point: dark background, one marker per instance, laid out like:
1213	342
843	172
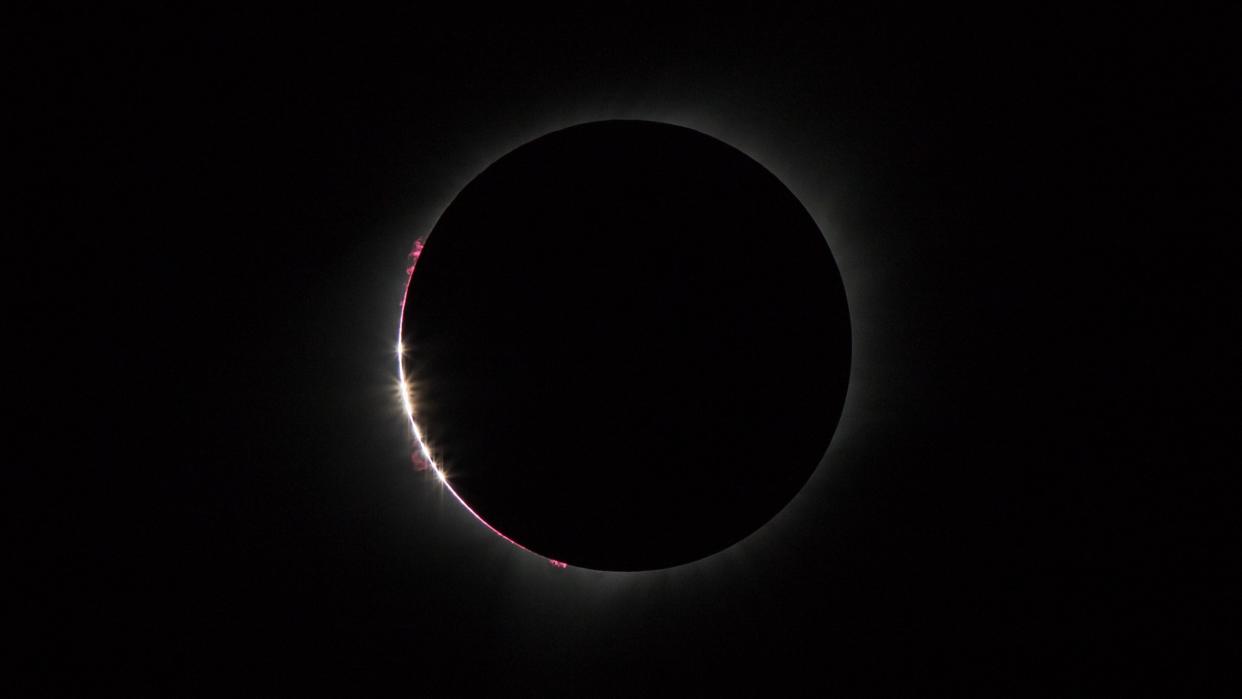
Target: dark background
1033	490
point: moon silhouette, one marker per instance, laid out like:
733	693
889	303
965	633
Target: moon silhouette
625	345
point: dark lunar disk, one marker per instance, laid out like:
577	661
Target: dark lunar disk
629	345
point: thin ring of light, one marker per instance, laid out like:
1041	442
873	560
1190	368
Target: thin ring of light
421	454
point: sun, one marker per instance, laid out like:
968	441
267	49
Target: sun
420	453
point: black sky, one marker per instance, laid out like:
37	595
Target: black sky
1033	490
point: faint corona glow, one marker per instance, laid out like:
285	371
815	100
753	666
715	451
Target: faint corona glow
420	454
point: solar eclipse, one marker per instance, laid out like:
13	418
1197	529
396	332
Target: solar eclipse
625	345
